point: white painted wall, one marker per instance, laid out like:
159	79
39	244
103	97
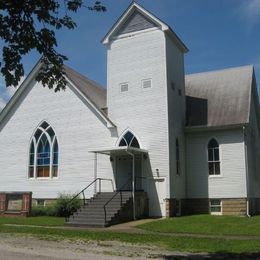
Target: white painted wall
253	147
144	111
78	131
232	182
176	114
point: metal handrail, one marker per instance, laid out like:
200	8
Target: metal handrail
97	179
83	191
119	191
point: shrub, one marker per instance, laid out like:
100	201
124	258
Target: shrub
64	207
43	211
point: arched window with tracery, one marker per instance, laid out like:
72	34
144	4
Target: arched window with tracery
213	157
44	153
129	140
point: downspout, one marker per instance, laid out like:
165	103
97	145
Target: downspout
133	182
95	172
247	177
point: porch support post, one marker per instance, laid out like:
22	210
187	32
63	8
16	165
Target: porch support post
95	172
133	186
133	182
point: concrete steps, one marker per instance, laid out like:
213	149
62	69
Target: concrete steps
93	213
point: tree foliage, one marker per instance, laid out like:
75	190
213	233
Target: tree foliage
31	24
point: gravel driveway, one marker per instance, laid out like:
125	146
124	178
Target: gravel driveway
27	247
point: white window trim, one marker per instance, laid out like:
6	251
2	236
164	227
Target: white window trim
128	129
220	159
36	144
44	202
221	208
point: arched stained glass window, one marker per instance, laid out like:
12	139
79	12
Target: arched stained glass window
55	159
43	157
31	159
213	157
129	140
43	161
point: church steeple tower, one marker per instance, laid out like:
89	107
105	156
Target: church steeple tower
145	82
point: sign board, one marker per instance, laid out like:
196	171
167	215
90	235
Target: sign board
14	202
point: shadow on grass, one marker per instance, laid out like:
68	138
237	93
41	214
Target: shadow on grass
213	256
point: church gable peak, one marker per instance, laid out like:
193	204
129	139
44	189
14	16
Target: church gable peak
135	22
135	18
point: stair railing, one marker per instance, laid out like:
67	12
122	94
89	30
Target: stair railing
99	180
121	198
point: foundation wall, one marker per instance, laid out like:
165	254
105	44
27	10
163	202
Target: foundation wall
232	207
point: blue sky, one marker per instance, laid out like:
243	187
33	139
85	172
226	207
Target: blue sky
218	33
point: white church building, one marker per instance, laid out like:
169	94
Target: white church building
190	142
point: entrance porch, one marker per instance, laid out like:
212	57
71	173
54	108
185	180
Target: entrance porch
127	163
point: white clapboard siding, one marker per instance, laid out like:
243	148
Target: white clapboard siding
143	110
176	113
253	149
78	131
232	182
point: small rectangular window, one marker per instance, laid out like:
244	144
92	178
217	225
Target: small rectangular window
180	92
215	206
40	202
124	87
146	83
172	86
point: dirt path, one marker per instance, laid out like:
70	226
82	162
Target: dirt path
26	248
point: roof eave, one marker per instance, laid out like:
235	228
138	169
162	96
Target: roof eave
177	40
109	123
20	90
120	149
202	128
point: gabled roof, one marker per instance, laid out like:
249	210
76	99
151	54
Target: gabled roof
219	98
90	90
133	8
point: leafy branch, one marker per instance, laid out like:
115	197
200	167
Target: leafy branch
31	24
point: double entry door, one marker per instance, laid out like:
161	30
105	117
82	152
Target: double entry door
124	172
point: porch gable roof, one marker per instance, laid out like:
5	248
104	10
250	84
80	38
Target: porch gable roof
120	150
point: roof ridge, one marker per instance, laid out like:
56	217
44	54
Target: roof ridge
220	70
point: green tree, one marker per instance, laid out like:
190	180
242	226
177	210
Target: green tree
31	24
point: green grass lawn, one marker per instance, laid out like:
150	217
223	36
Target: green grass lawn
203	224
186	244
36	221
206	224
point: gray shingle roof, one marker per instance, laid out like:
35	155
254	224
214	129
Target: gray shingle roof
219	98
215	98
92	90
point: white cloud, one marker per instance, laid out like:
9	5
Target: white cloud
11	90
7	92
250	9
2	103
